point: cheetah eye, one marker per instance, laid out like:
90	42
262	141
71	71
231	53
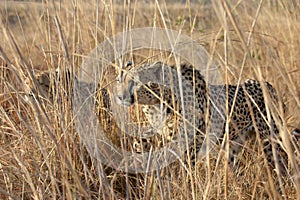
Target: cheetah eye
129	63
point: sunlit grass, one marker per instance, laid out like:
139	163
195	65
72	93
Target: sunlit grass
42	156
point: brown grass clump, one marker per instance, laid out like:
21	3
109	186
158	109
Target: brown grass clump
41	154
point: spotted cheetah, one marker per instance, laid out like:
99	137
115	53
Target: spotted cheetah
163	108
157	87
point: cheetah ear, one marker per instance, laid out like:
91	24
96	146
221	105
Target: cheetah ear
158	71
158	63
152	85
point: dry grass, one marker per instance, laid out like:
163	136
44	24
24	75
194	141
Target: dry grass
41	156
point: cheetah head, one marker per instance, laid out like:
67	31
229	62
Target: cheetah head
137	85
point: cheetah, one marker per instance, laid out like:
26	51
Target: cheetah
46	89
163	108
157	88
46	84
